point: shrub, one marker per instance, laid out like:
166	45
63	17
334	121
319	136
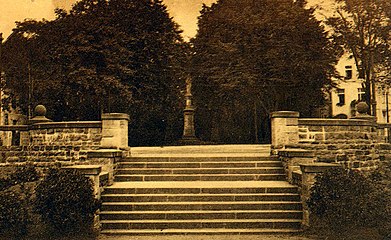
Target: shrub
65	201
345	200
15	194
27	173
21	175
5	183
13	215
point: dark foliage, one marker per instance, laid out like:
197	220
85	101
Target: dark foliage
344	201
21	175
13	214
102	56
66	202
255	57
15	194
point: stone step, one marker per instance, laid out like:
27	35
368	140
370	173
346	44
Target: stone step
242	164
201	214
190	171
203	149
109	205
203	231
199	159
118	195
202	224
201	177
201	187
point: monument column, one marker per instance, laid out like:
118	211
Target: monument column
188	115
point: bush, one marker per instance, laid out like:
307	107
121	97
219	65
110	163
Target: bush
15	199
13	215
5	183
27	173
65	201
345	200
21	175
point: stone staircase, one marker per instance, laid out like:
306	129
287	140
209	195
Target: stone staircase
231	189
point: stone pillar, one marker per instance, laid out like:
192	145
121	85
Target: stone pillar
292	159
114	130
188	124
107	159
285	129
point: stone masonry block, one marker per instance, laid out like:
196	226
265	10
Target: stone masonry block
332	147
327	158
315	128
292	121
332	136
331	129
303	136
303	130
79	130
319	137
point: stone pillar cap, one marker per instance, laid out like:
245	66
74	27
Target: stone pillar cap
285	114
318	167
115	116
86	169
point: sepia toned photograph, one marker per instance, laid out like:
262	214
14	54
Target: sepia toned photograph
195	119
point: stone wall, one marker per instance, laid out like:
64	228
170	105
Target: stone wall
47	143
82	134
354	143
351	142
63	143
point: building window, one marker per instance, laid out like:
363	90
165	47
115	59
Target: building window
361	94
341	97
348	72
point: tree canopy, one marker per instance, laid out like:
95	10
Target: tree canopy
255	57
102	56
363	28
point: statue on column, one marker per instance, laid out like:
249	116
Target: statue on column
188	115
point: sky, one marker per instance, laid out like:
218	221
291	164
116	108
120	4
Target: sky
184	12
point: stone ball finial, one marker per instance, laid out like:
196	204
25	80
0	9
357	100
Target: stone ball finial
40	110
362	107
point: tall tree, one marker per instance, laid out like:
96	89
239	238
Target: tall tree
104	56
363	28
255	57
